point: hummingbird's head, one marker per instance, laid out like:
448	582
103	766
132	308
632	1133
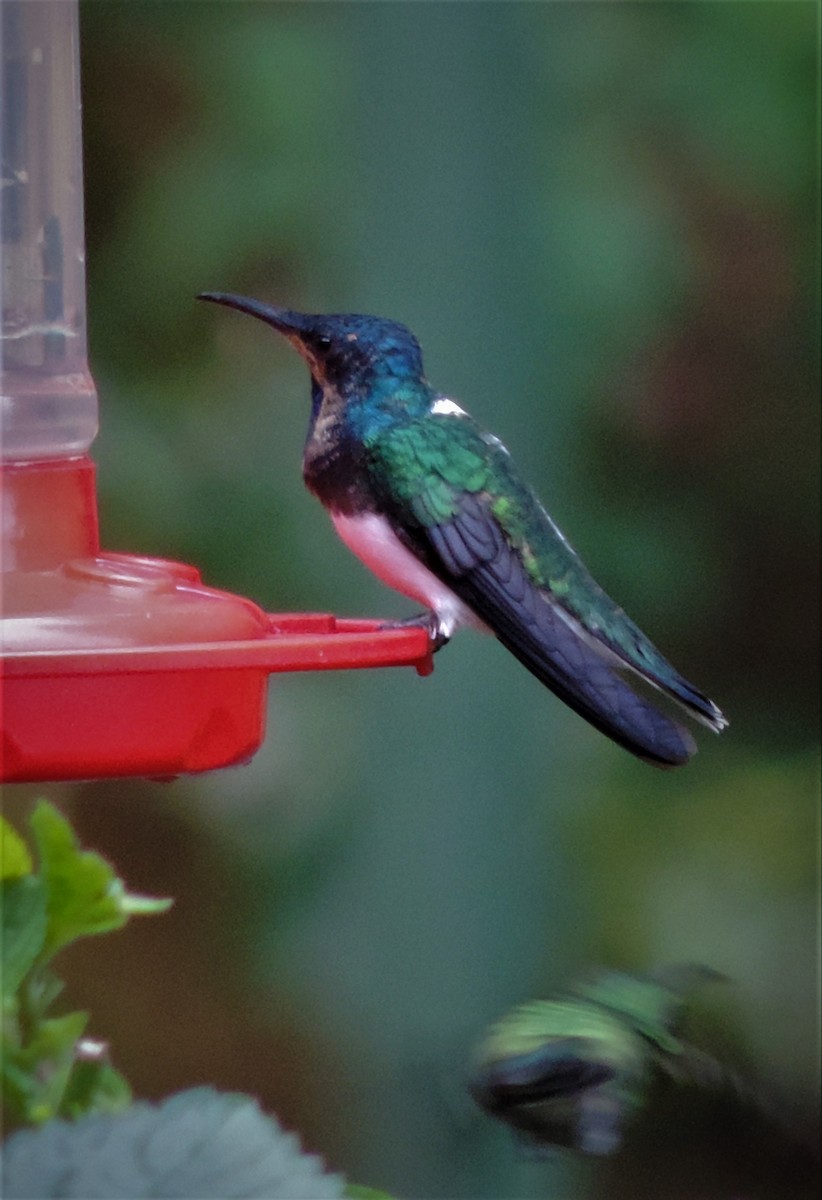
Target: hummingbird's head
344	352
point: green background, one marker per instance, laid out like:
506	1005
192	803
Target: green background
600	221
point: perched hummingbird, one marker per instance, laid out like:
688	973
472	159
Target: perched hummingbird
435	507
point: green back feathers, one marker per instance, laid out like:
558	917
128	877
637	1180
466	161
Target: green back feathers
430	462
427	463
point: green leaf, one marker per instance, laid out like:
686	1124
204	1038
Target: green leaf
41	989
83	894
22	930
35	1075
15	859
94	1085
199	1145
46	1069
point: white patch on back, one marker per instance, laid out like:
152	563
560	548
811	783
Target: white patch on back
491	439
374	542
443	407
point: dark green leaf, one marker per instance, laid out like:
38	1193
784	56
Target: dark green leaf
198	1145
35	1075
23	930
83	894
94	1085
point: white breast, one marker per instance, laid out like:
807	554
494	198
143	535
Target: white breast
373	541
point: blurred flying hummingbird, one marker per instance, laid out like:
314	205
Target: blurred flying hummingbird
572	1071
576	1070
435	507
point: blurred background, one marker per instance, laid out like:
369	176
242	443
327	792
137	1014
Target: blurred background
601	222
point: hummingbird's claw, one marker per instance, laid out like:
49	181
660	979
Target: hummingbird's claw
428	621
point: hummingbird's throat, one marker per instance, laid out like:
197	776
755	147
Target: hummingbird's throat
327	411
314	365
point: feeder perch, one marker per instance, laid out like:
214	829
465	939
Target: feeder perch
112	664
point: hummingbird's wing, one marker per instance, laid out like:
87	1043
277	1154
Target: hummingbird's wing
457	503
488	575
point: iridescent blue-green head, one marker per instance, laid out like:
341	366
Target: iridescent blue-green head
347	352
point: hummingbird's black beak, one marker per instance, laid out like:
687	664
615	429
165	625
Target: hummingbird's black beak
291	324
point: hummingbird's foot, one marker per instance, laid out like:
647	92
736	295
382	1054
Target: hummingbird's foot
429	621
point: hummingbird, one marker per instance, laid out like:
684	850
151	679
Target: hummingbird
433	504
576	1070
573	1070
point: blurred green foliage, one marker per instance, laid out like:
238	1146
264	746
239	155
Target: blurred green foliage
48	1069
601	222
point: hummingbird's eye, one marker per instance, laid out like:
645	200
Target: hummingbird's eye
324	341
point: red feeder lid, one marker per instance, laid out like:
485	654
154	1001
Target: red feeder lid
118	664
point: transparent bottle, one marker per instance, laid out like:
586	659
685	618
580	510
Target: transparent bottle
48	401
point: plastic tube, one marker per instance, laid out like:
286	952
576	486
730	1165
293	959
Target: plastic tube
48	402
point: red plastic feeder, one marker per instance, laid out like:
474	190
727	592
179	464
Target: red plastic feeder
116	664
112	664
